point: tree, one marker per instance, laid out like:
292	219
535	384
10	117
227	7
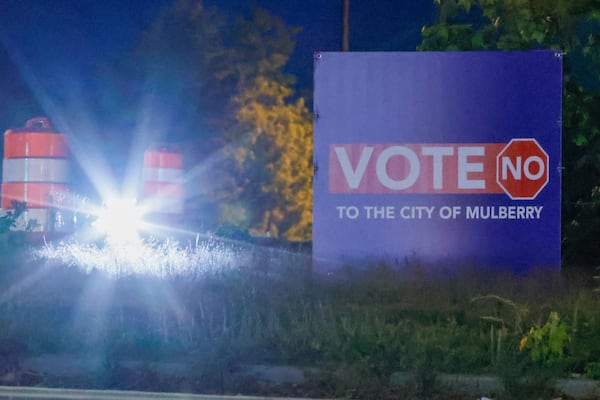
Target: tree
268	148
274	160
572	26
260	46
215	85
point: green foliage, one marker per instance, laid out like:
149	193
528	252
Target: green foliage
547	344
540	357
592	370
261	47
505	319
12	240
9	219
574	28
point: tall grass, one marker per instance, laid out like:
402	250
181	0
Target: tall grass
266	307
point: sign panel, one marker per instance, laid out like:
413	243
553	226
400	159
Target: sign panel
442	157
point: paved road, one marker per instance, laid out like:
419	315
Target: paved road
28	393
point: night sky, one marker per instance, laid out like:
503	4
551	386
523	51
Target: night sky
54	51
75	36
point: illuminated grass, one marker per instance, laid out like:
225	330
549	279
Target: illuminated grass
166	258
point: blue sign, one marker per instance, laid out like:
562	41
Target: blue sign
439	157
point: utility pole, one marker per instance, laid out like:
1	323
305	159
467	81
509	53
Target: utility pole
346	26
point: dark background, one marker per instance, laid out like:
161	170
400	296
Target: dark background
46	40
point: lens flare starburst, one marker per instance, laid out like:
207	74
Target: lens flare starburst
119	219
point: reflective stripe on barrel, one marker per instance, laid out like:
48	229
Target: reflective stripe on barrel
162	177
35	170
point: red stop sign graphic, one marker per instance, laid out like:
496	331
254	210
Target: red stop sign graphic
522	169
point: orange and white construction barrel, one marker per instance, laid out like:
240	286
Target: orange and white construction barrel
163	183
36	171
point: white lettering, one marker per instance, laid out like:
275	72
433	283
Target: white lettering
541	168
472	212
503	212
380	212
353	176
438	154
414	167
515	170
464	167
445	212
416	212
350	212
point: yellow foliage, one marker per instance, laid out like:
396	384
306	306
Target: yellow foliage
278	136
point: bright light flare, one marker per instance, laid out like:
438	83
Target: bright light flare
119	219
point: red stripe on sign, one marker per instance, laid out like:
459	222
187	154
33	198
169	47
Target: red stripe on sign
414	168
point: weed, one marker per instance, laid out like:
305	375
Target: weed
546	344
